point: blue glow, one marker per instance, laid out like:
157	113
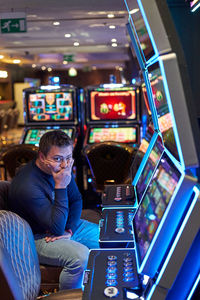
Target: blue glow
112	85
196	191
194	287
171	112
89	179
133	81
141	267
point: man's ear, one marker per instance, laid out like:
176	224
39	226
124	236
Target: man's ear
41	156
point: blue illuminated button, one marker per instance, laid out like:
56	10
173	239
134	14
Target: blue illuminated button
111	269
111	276
128	269
111	292
119	212
128	264
127	279
126	259
112	257
128	274
112	263
119	230
111	282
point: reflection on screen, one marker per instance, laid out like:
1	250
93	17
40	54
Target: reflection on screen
154	204
162	108
146	100
50	107
143	38
119	134
33	135
113	105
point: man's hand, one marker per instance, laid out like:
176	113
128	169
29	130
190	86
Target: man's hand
52	238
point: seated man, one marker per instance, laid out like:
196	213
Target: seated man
45	194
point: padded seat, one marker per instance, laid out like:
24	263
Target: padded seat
109	162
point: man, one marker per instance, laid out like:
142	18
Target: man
45	194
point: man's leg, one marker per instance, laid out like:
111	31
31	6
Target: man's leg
70	254
87	234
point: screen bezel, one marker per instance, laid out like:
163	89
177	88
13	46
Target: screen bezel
120	126
89	90
45	89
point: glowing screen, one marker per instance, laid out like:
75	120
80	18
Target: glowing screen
119	134
50	107
154	204
162	108
113	105
33	135
149	168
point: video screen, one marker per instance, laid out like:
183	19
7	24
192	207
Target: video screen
50	106
162	108
149	168
33	135
142	36
113	105
119	134
153	206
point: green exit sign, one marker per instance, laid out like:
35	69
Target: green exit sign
12	23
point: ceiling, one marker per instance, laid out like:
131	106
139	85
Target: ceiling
45	44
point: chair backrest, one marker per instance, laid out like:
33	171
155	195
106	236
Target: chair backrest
18	247
4	189
17	155
109	161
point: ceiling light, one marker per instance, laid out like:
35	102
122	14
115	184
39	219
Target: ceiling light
49	69
68	35
43	68
113	40
112	26
72	72
56	23
33	65
110	15
1	56
76	44
16	61
133	11
114	44
120	69
3	74
65	62
94	68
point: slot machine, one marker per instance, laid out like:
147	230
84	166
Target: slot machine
47	108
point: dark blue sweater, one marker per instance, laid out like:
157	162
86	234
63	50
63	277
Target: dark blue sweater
33	196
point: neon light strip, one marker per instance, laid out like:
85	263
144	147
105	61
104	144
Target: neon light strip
195	8
194	287
171	112
196	191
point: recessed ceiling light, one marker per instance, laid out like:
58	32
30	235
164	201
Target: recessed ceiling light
65	62
112	26
113	40
76	44
31	16
110	15
43	68
16	61
94	68
68	35
56	23
120	69
114	44
1	56
133	11
33	65
49	69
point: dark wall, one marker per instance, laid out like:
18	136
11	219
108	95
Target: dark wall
188	28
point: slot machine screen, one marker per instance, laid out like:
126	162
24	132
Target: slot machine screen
149	168
109	105
49	106
118	134
163	111
33	135
154	205
143	39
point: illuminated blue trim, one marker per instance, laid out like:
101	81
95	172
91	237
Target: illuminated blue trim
196	191
194	287
141	265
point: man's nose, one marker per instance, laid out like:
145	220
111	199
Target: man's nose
65	163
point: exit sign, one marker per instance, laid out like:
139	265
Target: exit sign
12	22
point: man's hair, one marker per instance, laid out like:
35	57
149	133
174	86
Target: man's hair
54	138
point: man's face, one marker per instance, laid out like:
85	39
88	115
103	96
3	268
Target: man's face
57	158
